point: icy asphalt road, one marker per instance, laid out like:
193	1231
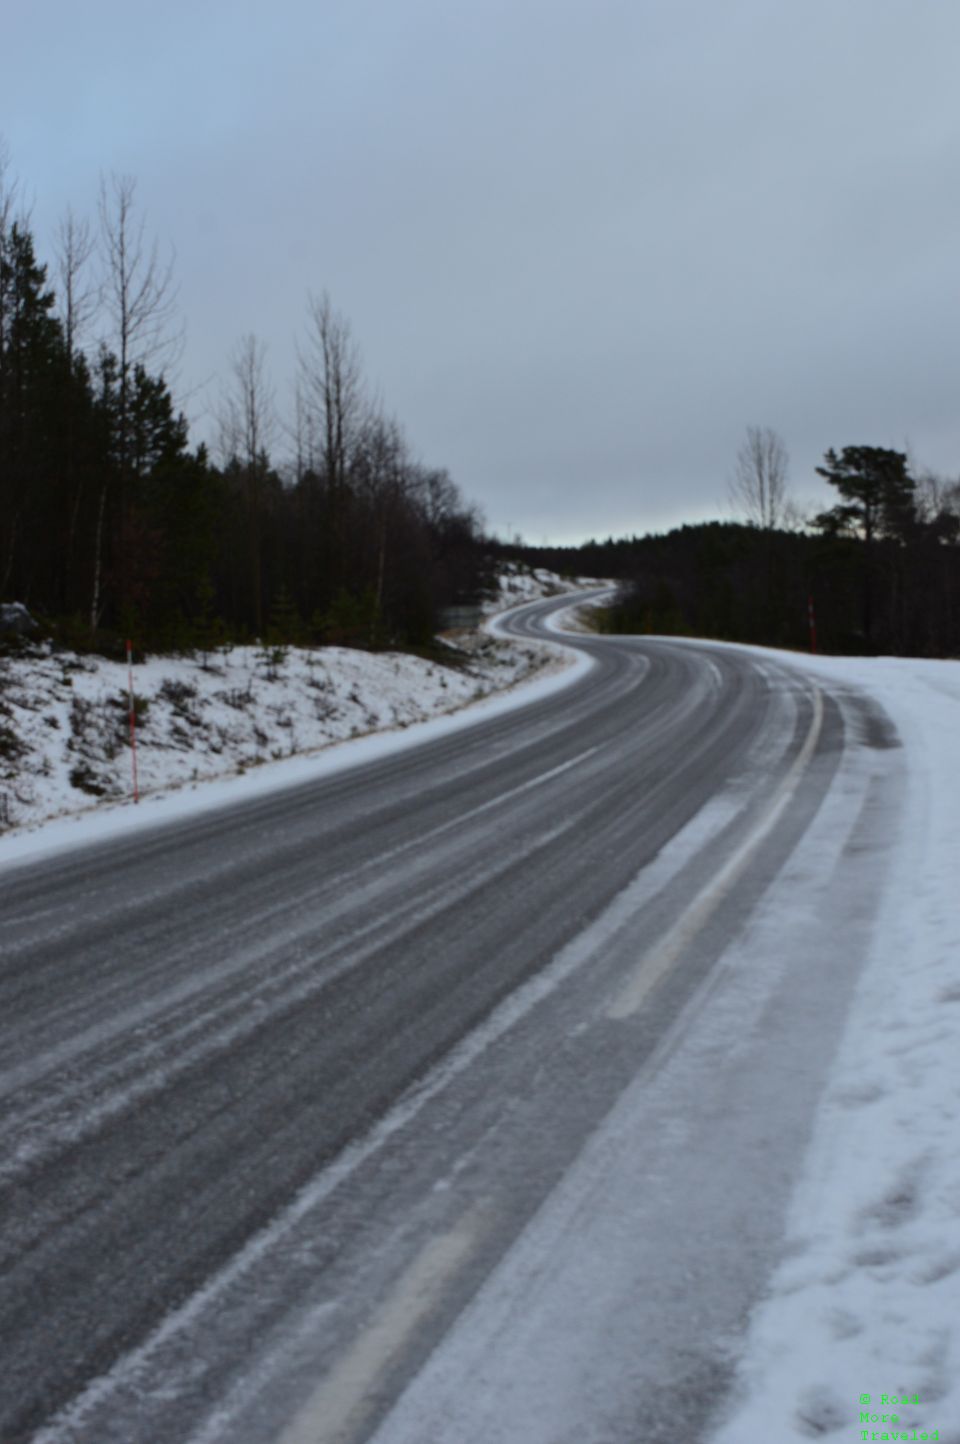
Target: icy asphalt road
302	1093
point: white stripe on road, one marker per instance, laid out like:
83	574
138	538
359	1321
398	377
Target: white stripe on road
133	1370
339	1403
654	964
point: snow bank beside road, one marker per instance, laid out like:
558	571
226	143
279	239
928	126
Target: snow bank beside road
211	737
66	717
867	1302
518	583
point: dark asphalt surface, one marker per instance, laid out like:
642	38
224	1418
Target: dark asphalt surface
198	1021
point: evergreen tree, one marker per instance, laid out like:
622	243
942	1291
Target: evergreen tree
878	502
106	519
35	379
156	435
877	490
143	441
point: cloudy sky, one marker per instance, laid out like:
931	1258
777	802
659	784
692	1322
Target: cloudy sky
582	244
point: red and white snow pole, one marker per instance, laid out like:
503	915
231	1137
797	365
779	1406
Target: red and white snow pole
133	722
813	623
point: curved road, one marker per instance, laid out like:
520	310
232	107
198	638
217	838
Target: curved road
283	1087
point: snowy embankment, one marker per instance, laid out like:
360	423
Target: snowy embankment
866	1307
65	730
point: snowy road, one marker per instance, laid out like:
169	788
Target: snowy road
431	1101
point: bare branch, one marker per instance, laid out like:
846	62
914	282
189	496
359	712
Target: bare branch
9	199
74	245
246	414
247	421
13	208
8	190
138	289
331	387
758	488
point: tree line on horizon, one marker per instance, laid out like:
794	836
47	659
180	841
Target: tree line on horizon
878	572
113	525
326	529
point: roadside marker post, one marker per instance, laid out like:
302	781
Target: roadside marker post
133	721
813	623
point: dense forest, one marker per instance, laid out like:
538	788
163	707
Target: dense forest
112	525
326	529
879	572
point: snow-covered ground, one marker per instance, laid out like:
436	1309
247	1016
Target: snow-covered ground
64	718
519	583
864	1308
67	717
868	1301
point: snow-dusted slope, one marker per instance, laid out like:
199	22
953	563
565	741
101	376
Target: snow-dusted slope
858	1334
64	718
518	583
867	1304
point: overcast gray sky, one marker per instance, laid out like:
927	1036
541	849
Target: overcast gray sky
582	243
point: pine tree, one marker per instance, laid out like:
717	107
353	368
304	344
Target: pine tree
878	502
142	436
34	382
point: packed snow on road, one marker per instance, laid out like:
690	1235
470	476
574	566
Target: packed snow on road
864	1307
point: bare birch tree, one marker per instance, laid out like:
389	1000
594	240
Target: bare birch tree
139	298
335	413
77	293
300	433
138	290
758	489
247	421
936	497
386	481
246	414
9	198
332	390
11	499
